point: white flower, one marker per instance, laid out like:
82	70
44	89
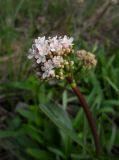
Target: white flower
31	54
48	73
41	59
52	72
42	46
57	60
49	55
47	65
48	69
39	50
67	42
54	44
45	75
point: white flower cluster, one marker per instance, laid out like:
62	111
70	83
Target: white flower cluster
49	55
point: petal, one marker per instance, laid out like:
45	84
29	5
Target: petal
71	39
53	50
42	68
39	60
30	51
38	73
51	72
36	56
43	59
44	75
30	56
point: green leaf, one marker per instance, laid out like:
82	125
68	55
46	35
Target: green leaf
39	154
57	115
26	113
106	110
56	151
112	85
72	99
7	134
111	102
19	85
60	118
33	132
78	119
112	138
64	100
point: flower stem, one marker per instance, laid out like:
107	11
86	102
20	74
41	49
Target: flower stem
88	114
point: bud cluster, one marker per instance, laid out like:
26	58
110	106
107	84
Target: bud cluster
50	56
88	59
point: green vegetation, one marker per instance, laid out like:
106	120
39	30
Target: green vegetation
44	121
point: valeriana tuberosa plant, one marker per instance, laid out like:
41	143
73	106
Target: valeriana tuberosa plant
55	58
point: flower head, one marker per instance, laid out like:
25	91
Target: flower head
87	58
53	57
49	55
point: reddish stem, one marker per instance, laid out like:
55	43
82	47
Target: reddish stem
88	115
